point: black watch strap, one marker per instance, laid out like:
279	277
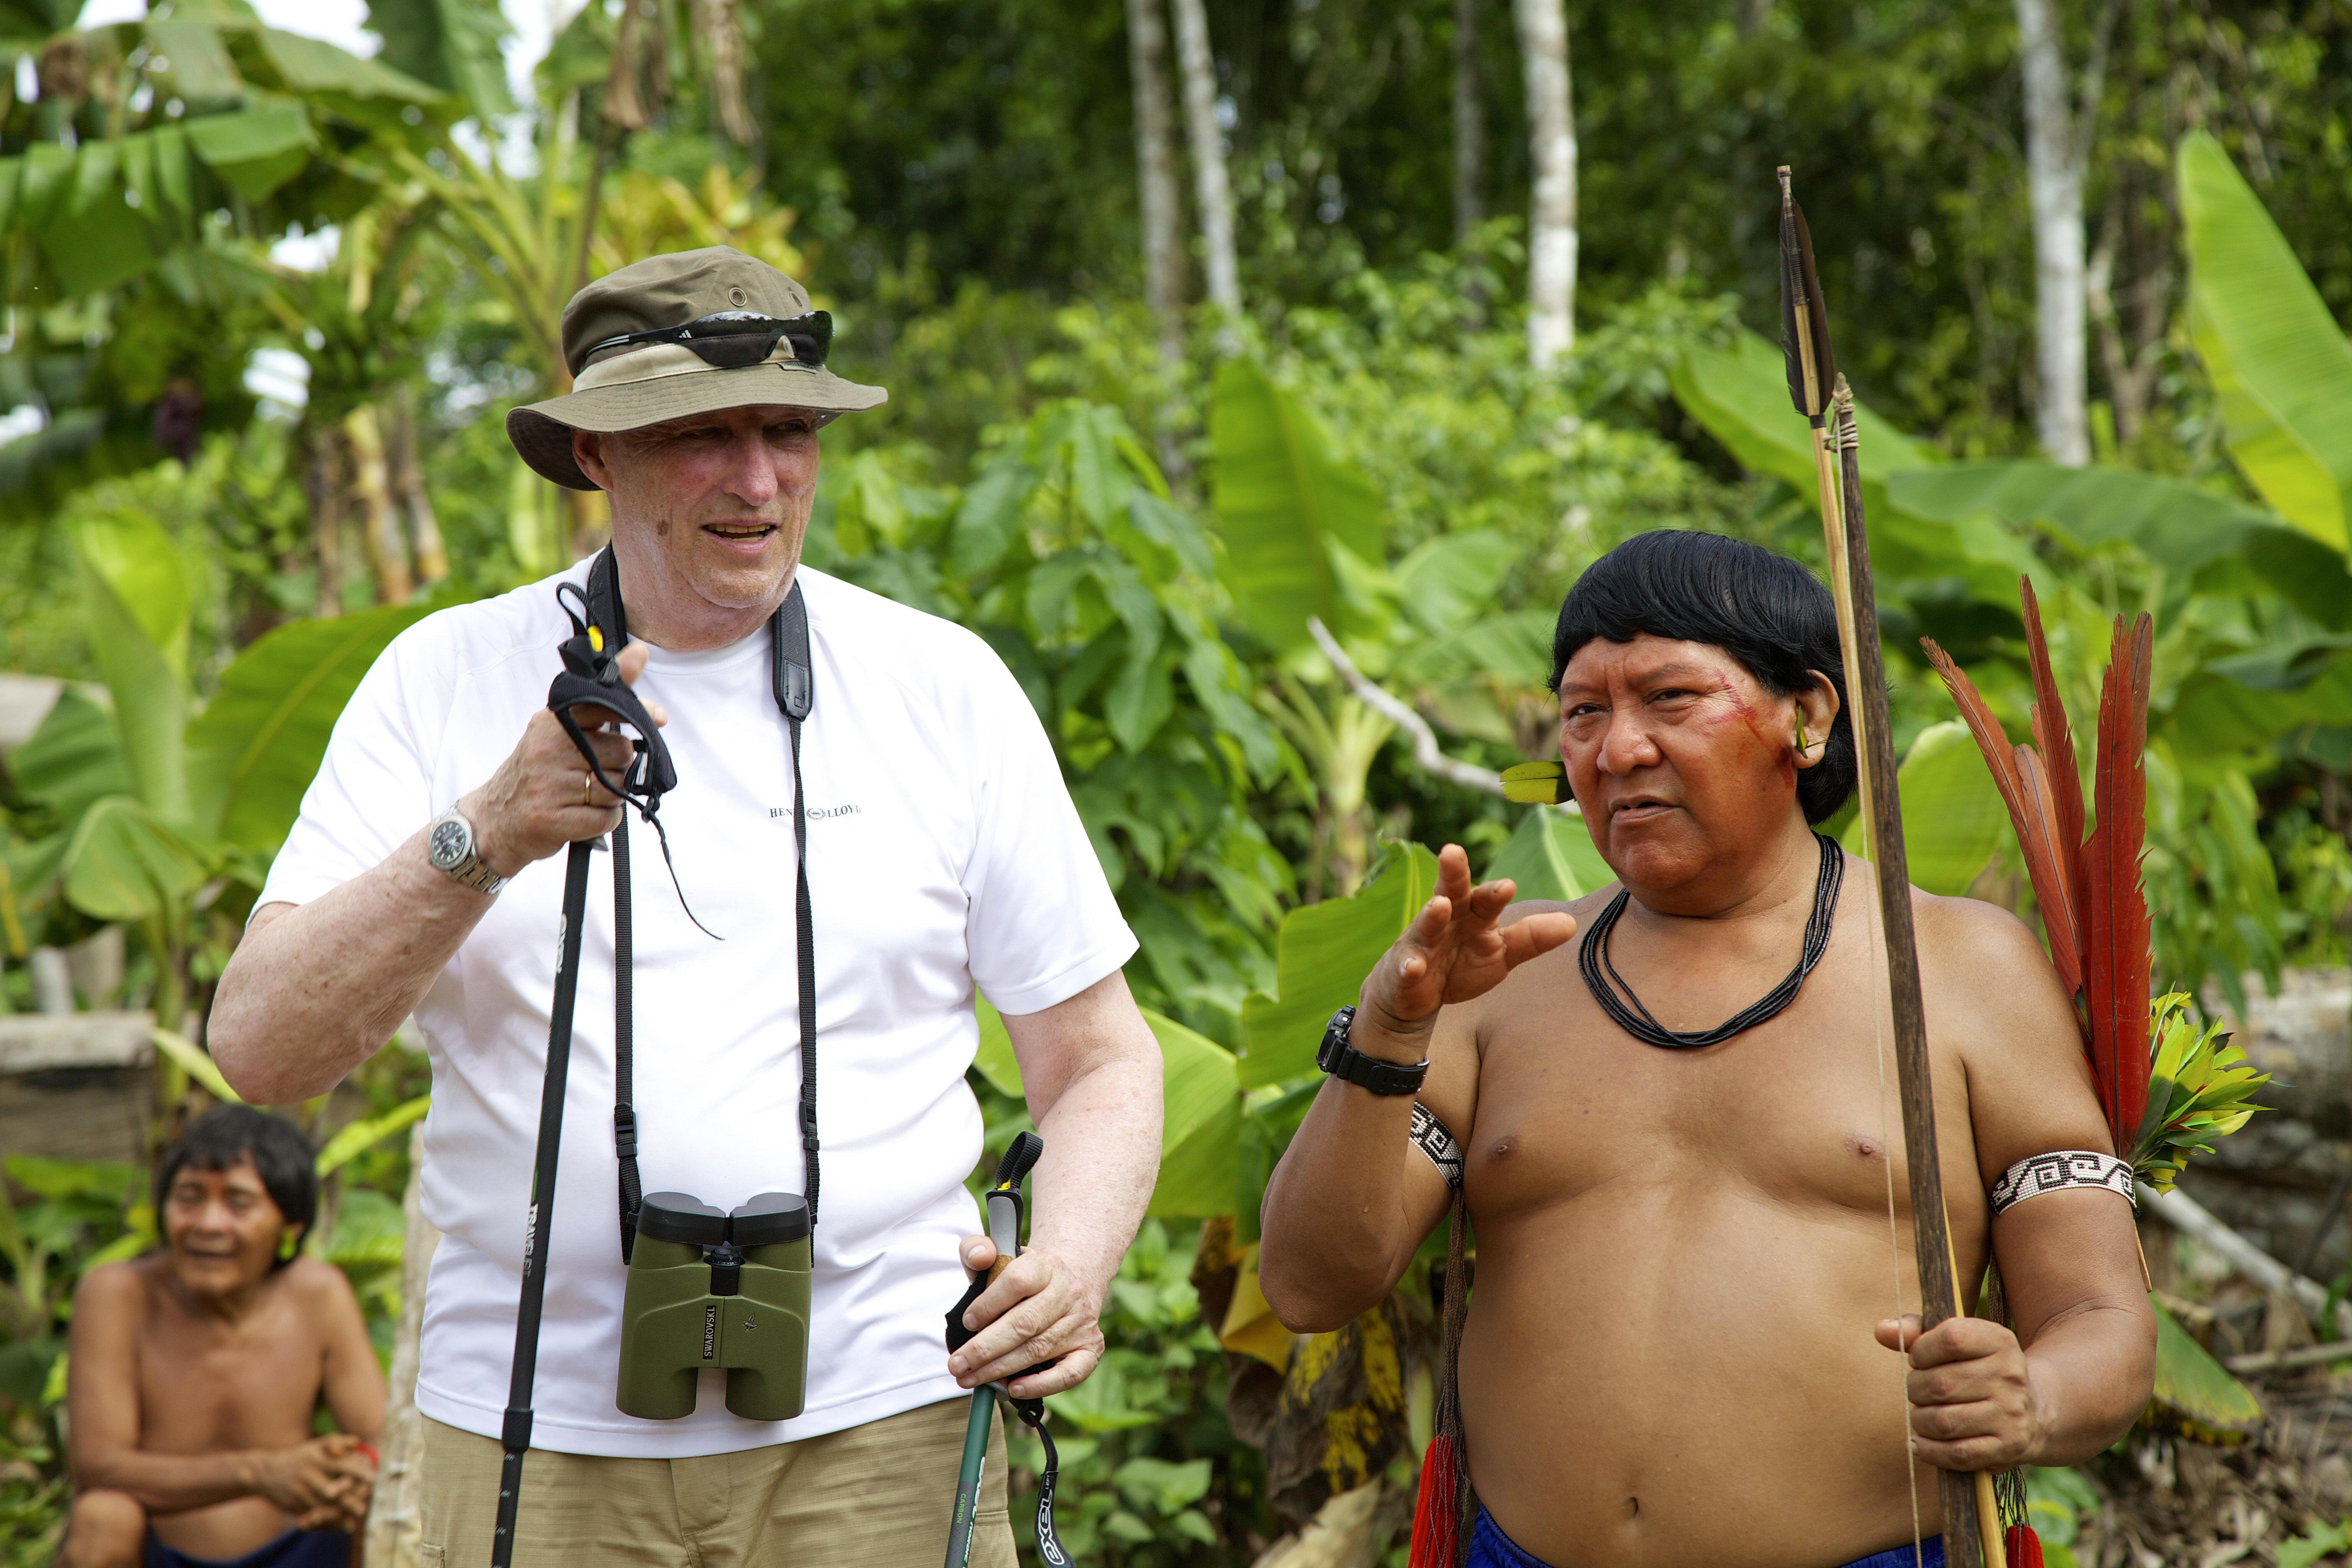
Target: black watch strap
1342	1060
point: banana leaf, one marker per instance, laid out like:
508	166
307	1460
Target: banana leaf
252	751
2195	1396
140	605
1953	819
122	862
1551	855
1286	495
1200	1137
1322	953
2280	367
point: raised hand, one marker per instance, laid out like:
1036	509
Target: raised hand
1456	949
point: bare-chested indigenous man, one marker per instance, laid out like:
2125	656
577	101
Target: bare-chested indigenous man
195	1371
1682	1348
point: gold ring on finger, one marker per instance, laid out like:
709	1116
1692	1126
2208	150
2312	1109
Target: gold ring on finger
587	783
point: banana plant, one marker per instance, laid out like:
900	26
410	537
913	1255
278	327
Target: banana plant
1301	524
148	813
2277	358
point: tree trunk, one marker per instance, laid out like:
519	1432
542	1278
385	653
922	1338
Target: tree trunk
1155	163
1748	193
1469	122
408	491
722	40
1211	194
380	520
2054	156
395	1523
326	487
1551	213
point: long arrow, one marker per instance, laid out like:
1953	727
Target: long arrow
1971	1523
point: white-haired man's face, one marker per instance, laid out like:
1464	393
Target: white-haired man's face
716	504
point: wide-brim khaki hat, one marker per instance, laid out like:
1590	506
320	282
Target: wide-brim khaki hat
650	384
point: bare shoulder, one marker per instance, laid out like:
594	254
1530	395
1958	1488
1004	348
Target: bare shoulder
319	1287
114	1292
1980	950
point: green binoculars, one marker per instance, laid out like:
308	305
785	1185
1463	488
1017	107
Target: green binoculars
713	1290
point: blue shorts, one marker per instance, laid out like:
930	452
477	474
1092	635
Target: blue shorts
295	1549
1490	1548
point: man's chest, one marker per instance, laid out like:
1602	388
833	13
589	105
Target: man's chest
203	1386
1802	1110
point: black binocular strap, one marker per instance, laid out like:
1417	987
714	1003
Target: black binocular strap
794	681
624	1108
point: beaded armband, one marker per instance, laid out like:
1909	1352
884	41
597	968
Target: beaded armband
1429	1135
2040	1174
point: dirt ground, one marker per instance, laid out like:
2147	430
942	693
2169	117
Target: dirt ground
2178	1504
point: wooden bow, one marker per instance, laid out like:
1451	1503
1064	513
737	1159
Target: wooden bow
1972	1536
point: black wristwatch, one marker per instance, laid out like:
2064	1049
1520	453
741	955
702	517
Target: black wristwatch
1342	1060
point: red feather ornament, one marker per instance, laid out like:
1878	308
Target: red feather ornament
2050	859
2093	908
2116	923
2051	731
2021	1546
2035	811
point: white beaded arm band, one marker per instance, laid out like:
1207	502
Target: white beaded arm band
2039	1174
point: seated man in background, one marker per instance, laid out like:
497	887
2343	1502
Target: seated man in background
196	1371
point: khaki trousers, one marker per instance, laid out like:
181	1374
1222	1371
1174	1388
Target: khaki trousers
879	1494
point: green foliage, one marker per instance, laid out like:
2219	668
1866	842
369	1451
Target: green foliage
2319	1539
1284	501
1201	1138
1148	1474
1550	855
74	1215
253	750
1066	552
1953	819
2194	1398
1322	954
2056	1504
2200	1088
2280	367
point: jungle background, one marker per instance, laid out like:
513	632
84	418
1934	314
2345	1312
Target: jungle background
1261	373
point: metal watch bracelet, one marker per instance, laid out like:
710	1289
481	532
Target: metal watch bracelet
449	844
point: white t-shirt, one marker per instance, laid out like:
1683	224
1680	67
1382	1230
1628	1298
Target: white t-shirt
944	852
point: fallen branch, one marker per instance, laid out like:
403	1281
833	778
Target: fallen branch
2283	1361
1400	713
2191	1218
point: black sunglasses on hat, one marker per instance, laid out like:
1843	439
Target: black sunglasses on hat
731	339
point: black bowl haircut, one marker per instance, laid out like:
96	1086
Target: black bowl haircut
281	1157
1764	610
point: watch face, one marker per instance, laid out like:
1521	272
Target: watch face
449	841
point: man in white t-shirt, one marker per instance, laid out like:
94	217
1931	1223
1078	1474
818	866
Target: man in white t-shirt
944	856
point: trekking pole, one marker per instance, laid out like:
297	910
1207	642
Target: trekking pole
1005	1212
514	1435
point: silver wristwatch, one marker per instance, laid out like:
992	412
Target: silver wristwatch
449	844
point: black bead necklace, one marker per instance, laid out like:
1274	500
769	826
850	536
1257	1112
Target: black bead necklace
1601	976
